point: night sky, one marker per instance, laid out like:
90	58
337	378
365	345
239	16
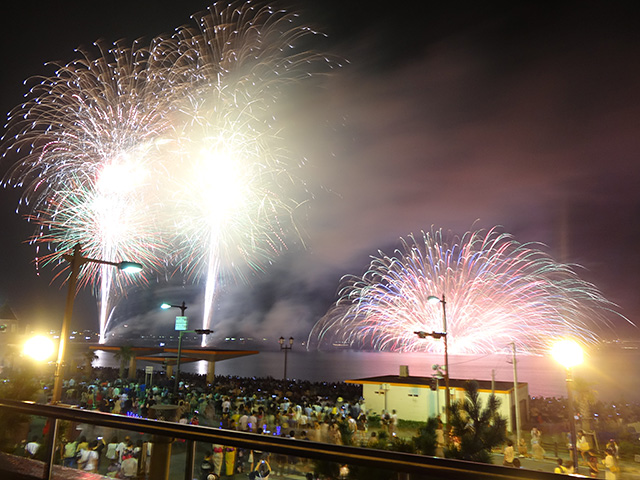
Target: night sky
457	115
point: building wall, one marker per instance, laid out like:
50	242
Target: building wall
418	403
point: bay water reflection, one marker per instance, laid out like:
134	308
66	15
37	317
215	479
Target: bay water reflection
615	375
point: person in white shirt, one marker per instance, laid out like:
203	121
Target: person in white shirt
122	446
393	423
32	447
243	423
92	457
252	423
112	452
129	467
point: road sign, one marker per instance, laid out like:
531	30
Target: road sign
181	323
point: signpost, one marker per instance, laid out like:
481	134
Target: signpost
181	323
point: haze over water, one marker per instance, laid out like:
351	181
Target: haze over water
614	374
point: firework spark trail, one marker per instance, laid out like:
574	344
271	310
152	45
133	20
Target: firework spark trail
498	292
233	70
91	130
192	122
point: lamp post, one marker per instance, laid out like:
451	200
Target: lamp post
182	307
569	354
199	331
443	335
286	349
77	260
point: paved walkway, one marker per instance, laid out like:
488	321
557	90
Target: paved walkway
628	470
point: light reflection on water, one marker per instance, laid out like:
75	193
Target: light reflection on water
615	375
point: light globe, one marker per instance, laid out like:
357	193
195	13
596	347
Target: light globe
567	353
39	348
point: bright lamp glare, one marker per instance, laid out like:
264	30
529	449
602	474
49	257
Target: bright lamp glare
130	267
567	353
39	347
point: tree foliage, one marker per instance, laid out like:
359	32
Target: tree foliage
425	442
124	355
478	428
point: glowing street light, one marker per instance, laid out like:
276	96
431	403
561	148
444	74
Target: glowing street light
286	349
569	354
39	348
437	336
182	307
77	260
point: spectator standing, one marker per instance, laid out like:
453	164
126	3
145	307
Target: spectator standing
112	452
32	447
91	458
536	444
393	423
611	468
129	466
70	449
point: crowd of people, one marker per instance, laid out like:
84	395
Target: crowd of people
120	456
318	411
607	461
295	409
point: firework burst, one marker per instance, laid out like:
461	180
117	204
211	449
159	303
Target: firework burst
236	188
498	292
169	154
90	131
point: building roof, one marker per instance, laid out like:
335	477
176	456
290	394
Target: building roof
6	313
413	381
169	355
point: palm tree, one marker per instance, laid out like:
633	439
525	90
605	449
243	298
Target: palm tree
478	429
89	357
124	355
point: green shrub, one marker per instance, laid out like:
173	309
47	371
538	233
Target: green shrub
374	421
629	448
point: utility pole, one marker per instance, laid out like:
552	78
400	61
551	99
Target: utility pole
515	393
493	381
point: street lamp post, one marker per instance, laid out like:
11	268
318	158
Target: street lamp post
286	349
182	307
443	335
569	354
199	331
77	260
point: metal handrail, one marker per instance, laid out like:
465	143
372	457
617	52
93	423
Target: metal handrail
432	467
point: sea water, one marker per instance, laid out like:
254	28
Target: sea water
614	375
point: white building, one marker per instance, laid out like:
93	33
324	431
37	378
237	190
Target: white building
417	398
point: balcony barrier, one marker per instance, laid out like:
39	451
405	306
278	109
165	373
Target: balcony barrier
164	433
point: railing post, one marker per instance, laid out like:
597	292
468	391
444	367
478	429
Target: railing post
160	457
190	460
161	445
51	449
